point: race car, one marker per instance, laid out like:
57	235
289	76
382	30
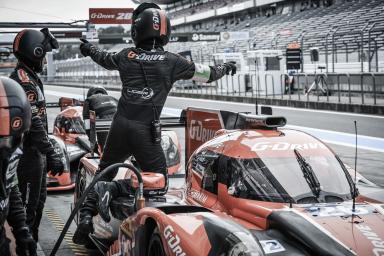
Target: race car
252	187
70	140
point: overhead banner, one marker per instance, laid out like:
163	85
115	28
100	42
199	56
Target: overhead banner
234	36
110	15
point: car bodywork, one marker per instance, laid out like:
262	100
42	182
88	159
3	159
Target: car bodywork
70	140
246	193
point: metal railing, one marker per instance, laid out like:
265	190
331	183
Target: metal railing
347	88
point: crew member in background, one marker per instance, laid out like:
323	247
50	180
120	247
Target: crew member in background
15	118
105	107
147	73
30	47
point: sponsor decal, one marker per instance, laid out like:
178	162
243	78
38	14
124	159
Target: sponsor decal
42	111
144	93
145	56
202	73
105	197
24	78
198	196
156	19
271	246
4	203
31	96
173	241
34	109
377	242
16	123
199	133
333	211
282	146
110	15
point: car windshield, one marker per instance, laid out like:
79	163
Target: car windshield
281	179
71	125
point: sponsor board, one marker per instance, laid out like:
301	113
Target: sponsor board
110	15
234	36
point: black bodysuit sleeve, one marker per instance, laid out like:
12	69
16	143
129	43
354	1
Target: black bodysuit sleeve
105	59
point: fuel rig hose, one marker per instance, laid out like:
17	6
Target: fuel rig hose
82	198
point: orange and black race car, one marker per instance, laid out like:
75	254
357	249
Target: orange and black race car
252	187
70	140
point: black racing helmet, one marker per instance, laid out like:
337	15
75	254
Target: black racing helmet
15	113
96	90
150	22
30	47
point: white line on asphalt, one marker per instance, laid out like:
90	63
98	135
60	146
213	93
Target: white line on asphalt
281	107
333	137
253	106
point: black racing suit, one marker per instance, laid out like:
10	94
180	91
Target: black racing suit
32	166
105	107
147	78
11	206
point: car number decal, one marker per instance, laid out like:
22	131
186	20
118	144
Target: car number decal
271	246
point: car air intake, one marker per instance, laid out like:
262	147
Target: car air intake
248	121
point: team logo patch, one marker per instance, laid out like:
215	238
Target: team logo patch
145	56
42	111
132	55
16	123
156	20
31	96
144	93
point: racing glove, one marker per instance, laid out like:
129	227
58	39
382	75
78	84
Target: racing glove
86	47
25	245
54	164
230	68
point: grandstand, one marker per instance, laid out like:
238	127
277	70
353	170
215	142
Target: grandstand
353	26
349	35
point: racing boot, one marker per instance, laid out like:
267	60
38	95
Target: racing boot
105	192
84	228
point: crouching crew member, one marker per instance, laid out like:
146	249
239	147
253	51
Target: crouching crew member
103	105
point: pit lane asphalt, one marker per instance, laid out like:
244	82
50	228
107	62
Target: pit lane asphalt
370	162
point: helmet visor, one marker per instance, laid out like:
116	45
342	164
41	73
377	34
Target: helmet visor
50	42
6	142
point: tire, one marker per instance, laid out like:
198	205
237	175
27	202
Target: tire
80	186
155	246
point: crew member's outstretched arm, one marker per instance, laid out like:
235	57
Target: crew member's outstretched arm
185	70
105	59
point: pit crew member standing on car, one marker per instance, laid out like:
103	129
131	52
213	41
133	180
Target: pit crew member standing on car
147	73
104	105
30	47
15	119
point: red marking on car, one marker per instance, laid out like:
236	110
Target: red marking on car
199	133
173	241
